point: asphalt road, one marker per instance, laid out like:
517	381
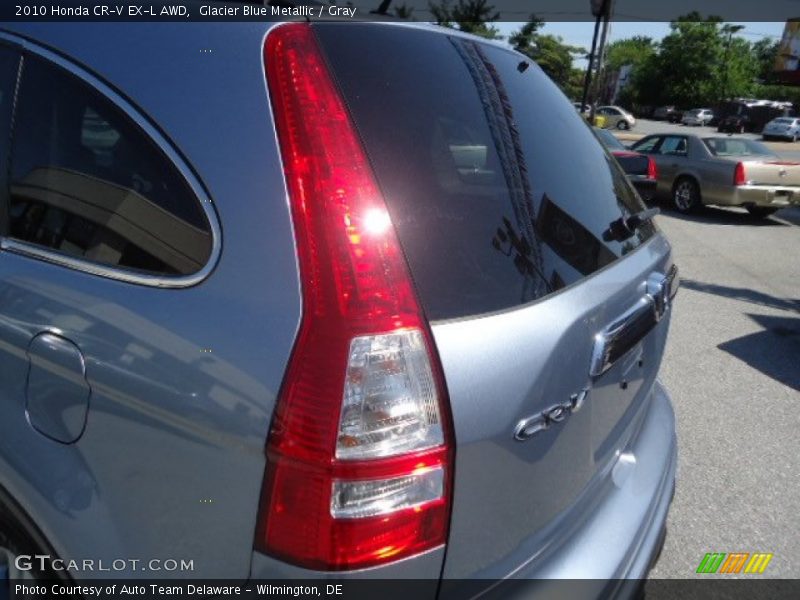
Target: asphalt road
732	366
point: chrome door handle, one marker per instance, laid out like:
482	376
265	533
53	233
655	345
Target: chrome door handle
634	324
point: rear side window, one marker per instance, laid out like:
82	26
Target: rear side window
673	145
87	182
498	189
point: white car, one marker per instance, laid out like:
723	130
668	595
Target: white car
787	128
697	116
617	116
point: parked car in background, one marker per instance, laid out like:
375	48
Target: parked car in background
675	116
787	128
581	109
736	123
663	113
640	168
617	117
697	116
747	115
725	171
348	352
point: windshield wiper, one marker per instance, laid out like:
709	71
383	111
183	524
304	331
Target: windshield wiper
625	227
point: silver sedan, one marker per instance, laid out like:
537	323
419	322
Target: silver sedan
787	128
722	170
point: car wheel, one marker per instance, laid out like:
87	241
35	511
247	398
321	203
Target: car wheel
623	125
761	212
12	545
685	195
18	540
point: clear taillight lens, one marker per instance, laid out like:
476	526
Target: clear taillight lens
390	404
360	499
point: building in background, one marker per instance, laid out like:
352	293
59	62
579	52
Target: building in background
787	62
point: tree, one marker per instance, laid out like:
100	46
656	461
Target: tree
471	16
697	64
550	53
525	37
631	51
766	51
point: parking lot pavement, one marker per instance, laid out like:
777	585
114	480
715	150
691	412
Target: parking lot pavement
732	366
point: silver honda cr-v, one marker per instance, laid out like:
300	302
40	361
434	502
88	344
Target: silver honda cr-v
286	299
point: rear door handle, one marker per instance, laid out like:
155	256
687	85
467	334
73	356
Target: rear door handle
634	324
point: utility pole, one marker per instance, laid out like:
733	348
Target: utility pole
602	10
587	80
601	57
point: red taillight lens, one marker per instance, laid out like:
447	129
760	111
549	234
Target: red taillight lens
739	177
652	171
360	454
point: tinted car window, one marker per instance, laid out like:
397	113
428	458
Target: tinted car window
647	145
497	199
736	147
88	183
673	145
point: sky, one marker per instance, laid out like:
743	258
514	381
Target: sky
580	33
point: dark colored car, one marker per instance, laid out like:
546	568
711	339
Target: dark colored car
662	113
640	168
675	116
738	123
738	117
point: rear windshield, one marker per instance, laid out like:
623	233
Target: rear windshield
730	146
609	140
498	189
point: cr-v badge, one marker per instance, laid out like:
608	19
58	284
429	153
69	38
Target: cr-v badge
530	426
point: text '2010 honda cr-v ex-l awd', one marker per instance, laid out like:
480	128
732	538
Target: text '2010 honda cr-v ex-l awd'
364	298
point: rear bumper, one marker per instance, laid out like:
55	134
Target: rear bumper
763	195
605	555
646	187
624	533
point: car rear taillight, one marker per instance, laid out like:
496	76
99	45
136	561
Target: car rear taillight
360	452
739	175
652	171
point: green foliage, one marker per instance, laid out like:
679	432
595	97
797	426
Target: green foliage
777	92
471	16
631	51
766	51
403	11
550	53
699	63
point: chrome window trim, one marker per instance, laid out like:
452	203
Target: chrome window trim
165	146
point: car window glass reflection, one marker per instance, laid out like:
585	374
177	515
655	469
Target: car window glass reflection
86	182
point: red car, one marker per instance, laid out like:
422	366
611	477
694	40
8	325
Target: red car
640	168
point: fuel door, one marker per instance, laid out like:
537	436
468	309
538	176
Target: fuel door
57	393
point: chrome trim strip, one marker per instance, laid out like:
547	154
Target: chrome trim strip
645	314
161	281
604	342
